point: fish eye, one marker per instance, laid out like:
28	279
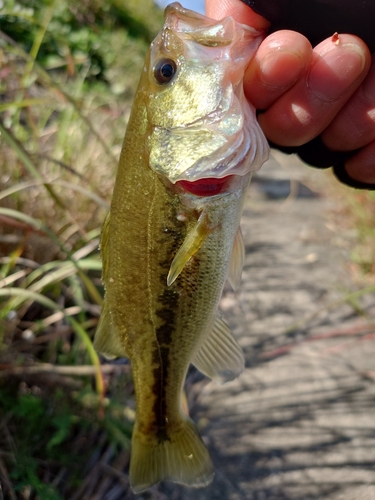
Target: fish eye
165	70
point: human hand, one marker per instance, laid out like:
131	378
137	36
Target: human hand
328	90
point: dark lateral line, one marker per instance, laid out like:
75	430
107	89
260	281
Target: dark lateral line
164	338
168	301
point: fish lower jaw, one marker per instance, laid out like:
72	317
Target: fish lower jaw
206	187
195	195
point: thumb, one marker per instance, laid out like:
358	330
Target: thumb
217	9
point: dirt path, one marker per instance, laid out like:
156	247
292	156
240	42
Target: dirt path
299	423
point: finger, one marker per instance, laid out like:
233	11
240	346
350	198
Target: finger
361	166
217	9
281	59
310	105
354	126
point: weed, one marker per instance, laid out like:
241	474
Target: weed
358	215
67	74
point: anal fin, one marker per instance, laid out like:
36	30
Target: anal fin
220	357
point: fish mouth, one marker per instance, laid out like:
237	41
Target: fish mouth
207	187
201	124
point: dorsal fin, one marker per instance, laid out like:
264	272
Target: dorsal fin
104	248
106	340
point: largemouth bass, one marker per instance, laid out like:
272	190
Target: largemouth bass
172	237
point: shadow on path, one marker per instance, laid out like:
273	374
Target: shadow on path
299	423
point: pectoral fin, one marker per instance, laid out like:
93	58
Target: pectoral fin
220	357
190	246
237	260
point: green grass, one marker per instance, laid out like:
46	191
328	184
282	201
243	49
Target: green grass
357	213
68	72
47	434
362	206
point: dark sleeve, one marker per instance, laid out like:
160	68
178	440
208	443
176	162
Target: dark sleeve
317	20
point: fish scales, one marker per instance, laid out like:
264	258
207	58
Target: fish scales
172	235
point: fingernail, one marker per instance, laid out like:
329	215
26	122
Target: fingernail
284	74
335	71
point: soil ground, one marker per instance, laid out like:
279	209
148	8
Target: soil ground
299	423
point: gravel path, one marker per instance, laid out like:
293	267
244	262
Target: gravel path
299	423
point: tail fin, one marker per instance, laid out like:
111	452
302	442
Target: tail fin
183	458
